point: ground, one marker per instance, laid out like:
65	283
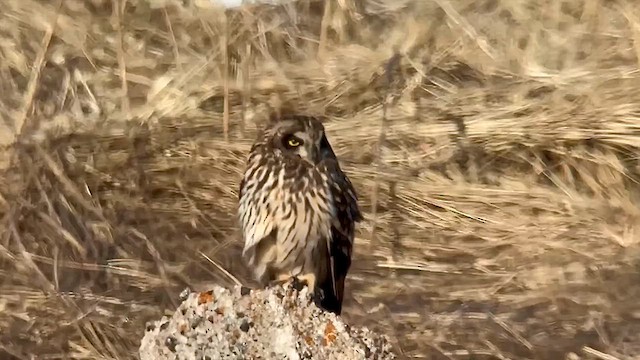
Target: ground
493	145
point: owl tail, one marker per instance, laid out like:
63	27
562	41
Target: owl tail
329	292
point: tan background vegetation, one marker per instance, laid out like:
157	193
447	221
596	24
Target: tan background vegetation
501	200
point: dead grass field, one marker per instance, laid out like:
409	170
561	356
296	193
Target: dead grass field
501	204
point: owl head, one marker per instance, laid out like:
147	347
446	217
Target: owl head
297	136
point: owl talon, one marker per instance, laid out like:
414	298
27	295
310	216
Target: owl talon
317	298
278	282
298	284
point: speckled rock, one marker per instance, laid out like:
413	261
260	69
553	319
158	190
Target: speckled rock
274	323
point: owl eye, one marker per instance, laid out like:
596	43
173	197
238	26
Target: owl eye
292	142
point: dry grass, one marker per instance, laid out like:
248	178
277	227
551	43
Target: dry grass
505	189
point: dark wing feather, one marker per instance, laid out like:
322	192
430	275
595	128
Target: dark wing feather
340	246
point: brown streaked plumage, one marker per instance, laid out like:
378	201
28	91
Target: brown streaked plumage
298	209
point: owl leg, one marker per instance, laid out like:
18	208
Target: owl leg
298	282
280	279
308	279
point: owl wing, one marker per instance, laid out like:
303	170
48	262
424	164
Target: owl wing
340	246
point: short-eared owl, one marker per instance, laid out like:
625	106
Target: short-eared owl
298	209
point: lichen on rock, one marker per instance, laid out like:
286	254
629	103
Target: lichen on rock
279	322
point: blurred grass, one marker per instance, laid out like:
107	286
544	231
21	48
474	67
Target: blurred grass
501	204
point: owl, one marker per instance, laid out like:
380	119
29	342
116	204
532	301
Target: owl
297	210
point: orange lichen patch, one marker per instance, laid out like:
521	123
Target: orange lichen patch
205	297
329	334
309	340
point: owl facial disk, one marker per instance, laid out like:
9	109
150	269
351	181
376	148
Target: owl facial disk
301	144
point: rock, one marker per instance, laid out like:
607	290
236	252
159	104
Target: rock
274	323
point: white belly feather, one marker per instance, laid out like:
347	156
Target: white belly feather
301	221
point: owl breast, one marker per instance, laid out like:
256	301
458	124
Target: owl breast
285	212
